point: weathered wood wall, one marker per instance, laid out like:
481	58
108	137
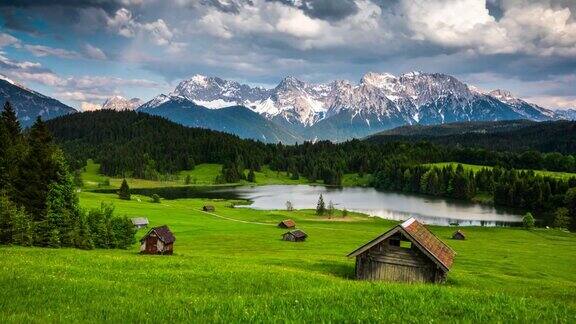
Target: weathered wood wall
394	263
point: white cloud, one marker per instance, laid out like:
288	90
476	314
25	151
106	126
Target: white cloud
41	51
159	31
94	52
531	28
125	25
7	40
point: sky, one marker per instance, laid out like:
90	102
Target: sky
84	51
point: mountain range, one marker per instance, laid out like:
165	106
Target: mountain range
29	104
341	110
295	110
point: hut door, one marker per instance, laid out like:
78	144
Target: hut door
152	244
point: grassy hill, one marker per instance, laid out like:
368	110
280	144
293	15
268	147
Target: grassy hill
231	266
475	168
203	174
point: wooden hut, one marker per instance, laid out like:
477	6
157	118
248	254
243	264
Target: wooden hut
208	208
139	222
458	235
287	223
294	236
408	252
159	240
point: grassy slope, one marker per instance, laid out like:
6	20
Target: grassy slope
226	271
205	174
476	168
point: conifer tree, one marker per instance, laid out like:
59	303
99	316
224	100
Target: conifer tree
320	206
10	121
251	176
124	192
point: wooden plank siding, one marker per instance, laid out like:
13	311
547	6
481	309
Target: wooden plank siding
386	261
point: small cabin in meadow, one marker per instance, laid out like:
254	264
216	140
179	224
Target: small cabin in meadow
208	208
295	236
409	252
140	222
159	240
458	235
287	223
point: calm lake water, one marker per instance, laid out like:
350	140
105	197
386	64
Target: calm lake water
370	201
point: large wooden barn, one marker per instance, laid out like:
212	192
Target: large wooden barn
159	240
408	252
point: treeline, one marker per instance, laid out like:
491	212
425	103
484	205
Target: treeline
144	146
552	200
517	136
38	202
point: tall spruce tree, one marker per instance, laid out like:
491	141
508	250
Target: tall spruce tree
37	171
320	206
124	192
10	121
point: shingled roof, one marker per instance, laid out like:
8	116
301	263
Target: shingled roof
288	223
427	242
297	233
163	233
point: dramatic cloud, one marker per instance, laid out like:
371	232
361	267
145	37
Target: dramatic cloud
527	44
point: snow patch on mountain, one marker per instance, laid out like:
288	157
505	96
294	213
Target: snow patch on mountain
120	103
410	98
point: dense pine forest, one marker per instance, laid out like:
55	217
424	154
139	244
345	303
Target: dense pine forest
517	136
38	202
140	145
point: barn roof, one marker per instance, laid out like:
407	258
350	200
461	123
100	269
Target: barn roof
288	223
163	233
139	221
297	233
425	240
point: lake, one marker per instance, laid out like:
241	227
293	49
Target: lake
370	201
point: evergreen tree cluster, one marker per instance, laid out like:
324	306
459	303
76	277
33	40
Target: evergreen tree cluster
550	199
38	202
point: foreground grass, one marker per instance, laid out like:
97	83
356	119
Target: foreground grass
203	175
239	271
476	168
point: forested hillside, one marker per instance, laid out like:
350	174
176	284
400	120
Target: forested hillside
140	145
558	136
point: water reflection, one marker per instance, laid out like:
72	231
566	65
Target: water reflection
370	201
387	205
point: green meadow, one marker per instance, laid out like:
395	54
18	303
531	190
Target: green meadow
231	266
476	168
202	175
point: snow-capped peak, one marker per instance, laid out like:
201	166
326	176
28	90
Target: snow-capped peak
379	80
5	78
200	79
119	103
414	97
503	95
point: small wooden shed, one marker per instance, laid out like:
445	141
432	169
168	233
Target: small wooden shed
159	240
295	236
409	252
287	223
140	222
458	235
208	208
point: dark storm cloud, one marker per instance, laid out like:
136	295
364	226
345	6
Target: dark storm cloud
495	8
108	5
325	9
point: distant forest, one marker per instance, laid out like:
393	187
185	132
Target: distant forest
140	145
517	136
